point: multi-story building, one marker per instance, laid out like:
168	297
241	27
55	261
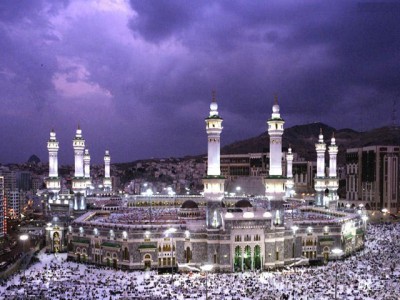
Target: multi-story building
373	177
235	167
13	204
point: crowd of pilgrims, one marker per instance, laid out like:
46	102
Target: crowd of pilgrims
138	215
373	273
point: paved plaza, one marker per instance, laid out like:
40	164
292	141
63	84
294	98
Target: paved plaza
373	273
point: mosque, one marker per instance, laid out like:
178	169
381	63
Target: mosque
231	234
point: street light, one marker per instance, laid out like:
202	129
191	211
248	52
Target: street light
23	238
238	188
167	232
365	218
206	269
337	252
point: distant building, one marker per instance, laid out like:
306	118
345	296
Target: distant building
236	166
24	180
373	177
13	204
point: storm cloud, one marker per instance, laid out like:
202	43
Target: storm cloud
137	75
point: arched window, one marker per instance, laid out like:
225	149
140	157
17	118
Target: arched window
126	254
237	264
247	258
257	257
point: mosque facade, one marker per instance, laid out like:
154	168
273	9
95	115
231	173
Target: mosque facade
259	233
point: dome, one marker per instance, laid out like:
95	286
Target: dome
244	203
189	204
275	108
213	106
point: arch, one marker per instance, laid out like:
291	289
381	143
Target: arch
237	263
125	254
257	257
56	242
188	254
247	259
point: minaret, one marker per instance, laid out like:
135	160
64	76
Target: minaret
79	146
289	173
319	180
86	166
53	181
275	182
333	182
213	182
107	179
79	181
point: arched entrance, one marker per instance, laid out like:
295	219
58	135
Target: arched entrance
147	261
247	258
237	263
326	254
56	242
115	261
257	257
188	255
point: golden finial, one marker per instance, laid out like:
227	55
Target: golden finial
333	134
213	96
320	130
275	99
79	126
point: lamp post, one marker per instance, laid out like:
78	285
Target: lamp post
238	188
167	232
206	269
23	238
337	252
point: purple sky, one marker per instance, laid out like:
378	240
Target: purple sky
138	75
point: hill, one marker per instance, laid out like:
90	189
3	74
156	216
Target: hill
302	139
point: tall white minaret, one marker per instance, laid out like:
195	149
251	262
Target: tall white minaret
275	182
52	146
289	173
275	131
320	183
86	167
333	182
107	178
79	180
213	182
86	163
79	146
53	181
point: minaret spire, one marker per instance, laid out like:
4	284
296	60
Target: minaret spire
213	182
79	182
319	181
107	178
53	181
275	182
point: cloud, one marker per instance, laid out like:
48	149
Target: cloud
138	75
